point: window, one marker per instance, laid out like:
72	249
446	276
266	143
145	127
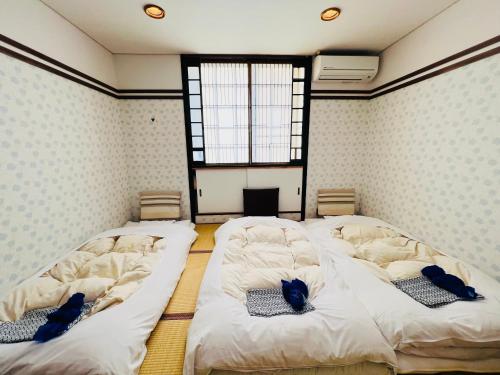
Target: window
245	112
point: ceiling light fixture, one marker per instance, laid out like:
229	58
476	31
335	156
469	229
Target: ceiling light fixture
330	14
154	11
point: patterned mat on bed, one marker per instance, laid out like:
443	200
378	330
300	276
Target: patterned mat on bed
270	302
422	290
25	328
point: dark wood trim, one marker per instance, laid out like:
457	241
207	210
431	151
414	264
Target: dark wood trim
193	200
219	213
241	213
336	97
177	316
48	59
373	93
50	69
96	85
249	166
305	133
446	69
341	91
263	59
446	60
200	251
195	60
370	94
149	91
174	97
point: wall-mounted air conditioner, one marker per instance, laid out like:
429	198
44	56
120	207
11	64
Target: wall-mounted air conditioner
345	68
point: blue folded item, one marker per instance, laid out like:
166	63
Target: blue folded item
295	293
24	329
59	321
448	282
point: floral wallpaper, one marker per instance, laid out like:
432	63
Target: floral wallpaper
156	150
72	161
62	168
336	130
431	162
425	158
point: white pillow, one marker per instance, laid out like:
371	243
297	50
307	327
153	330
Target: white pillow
134	244
385	250
100	246
357	234
264	233
145	223
294	235
405	269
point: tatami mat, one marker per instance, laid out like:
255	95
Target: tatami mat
205	240
166	345
184	298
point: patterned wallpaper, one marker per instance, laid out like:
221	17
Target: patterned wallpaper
432	162
425	158
62	168
336	131
156	151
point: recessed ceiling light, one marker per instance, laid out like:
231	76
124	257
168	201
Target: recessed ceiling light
154	11
330	14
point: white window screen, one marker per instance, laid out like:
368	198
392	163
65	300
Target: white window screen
243	113
224	90
271	112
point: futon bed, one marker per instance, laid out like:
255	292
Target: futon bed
371	255
257	253
147	260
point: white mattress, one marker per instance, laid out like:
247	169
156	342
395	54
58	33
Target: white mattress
224	336
454	330
112	341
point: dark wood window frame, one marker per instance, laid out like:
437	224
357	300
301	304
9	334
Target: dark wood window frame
197	60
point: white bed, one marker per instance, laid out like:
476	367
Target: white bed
113	340
462	336
338	336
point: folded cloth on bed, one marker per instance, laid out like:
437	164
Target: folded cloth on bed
25	328
295	293
59	321
451	283
271	302
422	290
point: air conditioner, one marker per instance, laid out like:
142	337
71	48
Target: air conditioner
345	68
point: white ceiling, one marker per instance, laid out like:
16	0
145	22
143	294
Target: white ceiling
246	26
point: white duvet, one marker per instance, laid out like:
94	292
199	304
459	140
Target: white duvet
461	330
113	340
224	336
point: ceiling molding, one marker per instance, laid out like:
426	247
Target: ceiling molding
457	60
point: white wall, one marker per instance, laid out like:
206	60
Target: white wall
32	23
148	71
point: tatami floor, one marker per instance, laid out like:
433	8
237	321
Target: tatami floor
167	342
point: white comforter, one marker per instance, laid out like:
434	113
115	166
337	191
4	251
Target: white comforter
112	341
461	330
224	336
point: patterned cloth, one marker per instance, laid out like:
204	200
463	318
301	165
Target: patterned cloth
422	290
25	328
270	302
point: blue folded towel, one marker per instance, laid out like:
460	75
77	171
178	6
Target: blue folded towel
295	293
59	321
448	282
